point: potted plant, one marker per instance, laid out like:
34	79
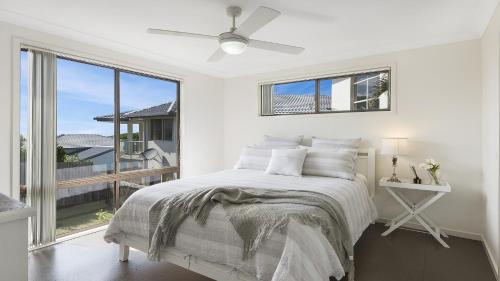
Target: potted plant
432	167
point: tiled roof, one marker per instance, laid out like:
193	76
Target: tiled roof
93	152
84	140
298	103
166	109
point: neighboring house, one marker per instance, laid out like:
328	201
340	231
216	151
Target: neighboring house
287	103
149	142
283	104
89	148
345	94
153	130
94	157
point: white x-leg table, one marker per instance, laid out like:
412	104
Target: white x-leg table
415	211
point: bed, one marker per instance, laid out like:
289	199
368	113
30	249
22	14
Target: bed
214	250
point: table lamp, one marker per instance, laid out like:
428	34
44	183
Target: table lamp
394	147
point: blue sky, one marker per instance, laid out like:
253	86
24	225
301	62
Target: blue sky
85	91
303	88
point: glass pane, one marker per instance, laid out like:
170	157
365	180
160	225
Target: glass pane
371	91
23	126
84	145
129	186
83	207
148	122
335	94
353	92
295	97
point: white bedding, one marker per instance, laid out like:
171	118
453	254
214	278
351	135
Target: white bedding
218	242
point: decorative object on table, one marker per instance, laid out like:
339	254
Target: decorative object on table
415	210
416	179
394	147
432	167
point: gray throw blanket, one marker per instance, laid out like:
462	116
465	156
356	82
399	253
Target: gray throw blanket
255	214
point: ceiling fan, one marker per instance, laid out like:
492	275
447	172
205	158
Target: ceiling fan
236	40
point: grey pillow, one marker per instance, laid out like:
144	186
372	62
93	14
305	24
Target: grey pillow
280	142
328	162
336	143
254	158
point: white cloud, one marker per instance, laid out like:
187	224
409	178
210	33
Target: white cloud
95	84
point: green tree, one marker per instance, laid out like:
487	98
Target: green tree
61	154
124	136
22	143
381	87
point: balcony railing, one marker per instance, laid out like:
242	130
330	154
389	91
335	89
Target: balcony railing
131	148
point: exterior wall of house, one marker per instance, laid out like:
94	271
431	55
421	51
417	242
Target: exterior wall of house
103	162
167	153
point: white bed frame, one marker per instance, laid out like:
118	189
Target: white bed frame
365	166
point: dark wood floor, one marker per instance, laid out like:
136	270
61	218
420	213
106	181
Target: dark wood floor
403	256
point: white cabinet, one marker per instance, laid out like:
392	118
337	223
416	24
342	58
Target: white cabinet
14	239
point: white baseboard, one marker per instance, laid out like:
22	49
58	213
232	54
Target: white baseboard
449	231
491	259
457	233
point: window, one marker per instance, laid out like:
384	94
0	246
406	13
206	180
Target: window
23	126
357	92
162	129
104	152
147	105
85	147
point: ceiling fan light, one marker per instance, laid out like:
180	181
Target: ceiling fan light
233	46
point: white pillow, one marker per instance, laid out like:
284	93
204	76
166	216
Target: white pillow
336	163
278	142
335	143
287	162
254	158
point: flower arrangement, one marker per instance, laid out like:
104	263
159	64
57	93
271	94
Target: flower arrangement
432	167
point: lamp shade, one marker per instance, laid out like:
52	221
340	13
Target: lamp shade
394	146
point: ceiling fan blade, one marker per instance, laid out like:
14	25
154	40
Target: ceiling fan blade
217	56
180	33
276	47
259	18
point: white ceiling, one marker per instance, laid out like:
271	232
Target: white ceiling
328	29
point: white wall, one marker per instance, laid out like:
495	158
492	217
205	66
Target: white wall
438	102
490	55
201	97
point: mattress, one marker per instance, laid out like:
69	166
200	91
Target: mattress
217	241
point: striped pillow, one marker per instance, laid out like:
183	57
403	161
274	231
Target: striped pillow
277	142
335	143
254	158
336	163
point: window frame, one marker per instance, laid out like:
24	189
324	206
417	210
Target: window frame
117	174
317	94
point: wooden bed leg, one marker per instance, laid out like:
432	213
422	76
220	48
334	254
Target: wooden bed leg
124	251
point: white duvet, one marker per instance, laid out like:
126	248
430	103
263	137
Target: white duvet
302	253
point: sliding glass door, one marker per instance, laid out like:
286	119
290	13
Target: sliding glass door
85	148
148	129
117	132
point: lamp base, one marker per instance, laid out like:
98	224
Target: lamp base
394	178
